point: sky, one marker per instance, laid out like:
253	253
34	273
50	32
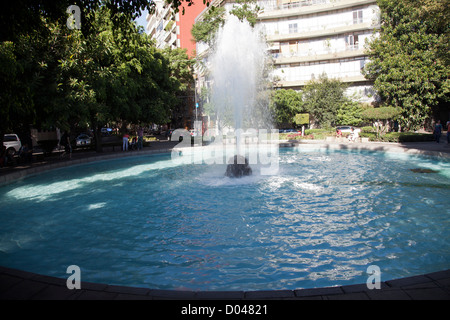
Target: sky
141	20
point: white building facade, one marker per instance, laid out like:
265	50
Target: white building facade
162	27
313	37
308	38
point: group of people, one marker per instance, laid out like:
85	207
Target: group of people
352	137
25	155
137	143
438	131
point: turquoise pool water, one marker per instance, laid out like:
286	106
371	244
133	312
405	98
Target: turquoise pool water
144	221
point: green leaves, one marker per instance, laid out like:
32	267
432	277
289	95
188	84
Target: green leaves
206	29
349	113
406	61
68	78
323	98
285	104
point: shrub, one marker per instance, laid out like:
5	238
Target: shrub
368	130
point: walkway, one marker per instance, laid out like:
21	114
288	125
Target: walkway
20	285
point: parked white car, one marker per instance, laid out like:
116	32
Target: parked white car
83	140
12	143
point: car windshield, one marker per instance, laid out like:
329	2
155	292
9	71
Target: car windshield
9	138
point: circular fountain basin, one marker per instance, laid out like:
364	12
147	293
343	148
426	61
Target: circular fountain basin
149	222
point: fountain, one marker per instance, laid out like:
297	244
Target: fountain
237	70
189	227
238	167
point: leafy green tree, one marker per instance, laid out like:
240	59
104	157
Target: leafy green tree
206	29
381	116
323	98
407	63
285	104
246	9
16	89
349	113
25	16
65	78
181	67
437	15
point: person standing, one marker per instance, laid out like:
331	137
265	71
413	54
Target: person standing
126	136
65	141
448	132
140	138
437	131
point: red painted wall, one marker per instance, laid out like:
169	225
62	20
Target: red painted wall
185	24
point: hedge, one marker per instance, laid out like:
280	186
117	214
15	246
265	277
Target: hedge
399	137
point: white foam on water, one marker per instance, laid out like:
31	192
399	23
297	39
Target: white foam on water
42	192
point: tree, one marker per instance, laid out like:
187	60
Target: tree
28	42
437	14
16	89
349	113
285	104
24	16
64	78
407	61
381	117
206	29
246	9
323	99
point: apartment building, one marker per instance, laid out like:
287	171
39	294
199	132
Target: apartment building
172	29
311	37
308	38
161	25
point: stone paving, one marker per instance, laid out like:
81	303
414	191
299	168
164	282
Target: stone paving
21	285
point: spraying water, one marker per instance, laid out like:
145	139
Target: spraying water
237	70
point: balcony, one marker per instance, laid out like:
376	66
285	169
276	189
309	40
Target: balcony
292	83
274	9
325	30
309	56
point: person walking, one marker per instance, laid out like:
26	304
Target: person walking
65	141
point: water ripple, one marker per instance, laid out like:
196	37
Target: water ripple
321	221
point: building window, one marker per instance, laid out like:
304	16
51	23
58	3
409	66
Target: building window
293	28
352	41
160	26
357	16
